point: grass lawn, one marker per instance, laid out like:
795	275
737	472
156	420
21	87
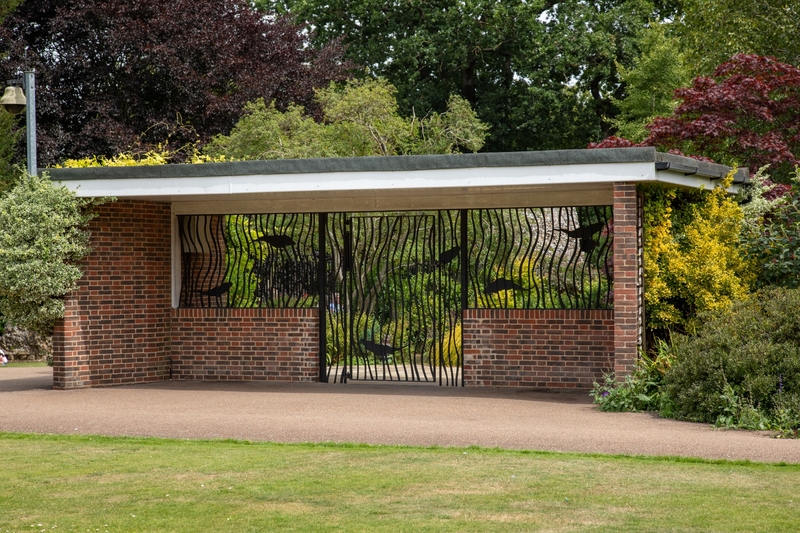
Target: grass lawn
23	364
66	483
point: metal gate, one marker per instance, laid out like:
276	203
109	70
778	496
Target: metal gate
394	297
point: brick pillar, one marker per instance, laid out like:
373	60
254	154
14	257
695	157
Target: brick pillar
70	359
116	328
628	293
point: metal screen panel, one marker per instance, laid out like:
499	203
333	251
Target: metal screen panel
540	258
249	260
391	287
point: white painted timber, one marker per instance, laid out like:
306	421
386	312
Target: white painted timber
496	178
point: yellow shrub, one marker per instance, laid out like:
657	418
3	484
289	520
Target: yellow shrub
693	260
159	156
450	353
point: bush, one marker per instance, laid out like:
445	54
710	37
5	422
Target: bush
43	240
693	258
774	243
641	391
742	369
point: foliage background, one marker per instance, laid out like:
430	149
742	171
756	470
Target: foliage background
360	118
541	73
114	75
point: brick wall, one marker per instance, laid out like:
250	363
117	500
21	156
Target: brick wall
547	349
628	284
245	344
116	325
119	326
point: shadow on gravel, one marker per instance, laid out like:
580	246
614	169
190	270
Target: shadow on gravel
374	389
23	379
39	378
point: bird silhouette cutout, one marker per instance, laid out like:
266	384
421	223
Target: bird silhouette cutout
277	241
587	245
448	255
382	351
502	284
584	232
219	290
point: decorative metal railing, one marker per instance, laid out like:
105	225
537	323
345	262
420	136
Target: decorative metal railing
249	260
394	285
527	258
540	258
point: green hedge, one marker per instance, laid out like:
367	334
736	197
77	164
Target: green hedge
743	367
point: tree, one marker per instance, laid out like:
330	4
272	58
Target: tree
112	73
714	30
650	82
9	136
360	118
9	133
540	73
42	241
747	113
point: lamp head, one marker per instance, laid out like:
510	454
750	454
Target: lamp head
13	100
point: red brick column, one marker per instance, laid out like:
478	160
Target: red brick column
70	359
628	294
253	344
116	327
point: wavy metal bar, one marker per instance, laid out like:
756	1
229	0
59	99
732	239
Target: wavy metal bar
540	258
336	299
249	260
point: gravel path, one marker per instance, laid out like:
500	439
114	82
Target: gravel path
368	413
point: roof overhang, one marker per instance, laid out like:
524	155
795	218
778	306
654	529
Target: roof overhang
551	178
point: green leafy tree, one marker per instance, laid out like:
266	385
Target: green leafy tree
361	118
650	82
714	30
44	238
541	73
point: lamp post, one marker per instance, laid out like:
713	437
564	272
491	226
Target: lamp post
15	100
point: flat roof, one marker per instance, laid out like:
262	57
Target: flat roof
503	179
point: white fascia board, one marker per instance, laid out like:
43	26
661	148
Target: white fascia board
691	181
477	177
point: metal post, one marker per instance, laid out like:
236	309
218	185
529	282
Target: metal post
322	272
29	87
464	283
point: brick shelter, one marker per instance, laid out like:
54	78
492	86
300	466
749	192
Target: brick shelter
131	322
